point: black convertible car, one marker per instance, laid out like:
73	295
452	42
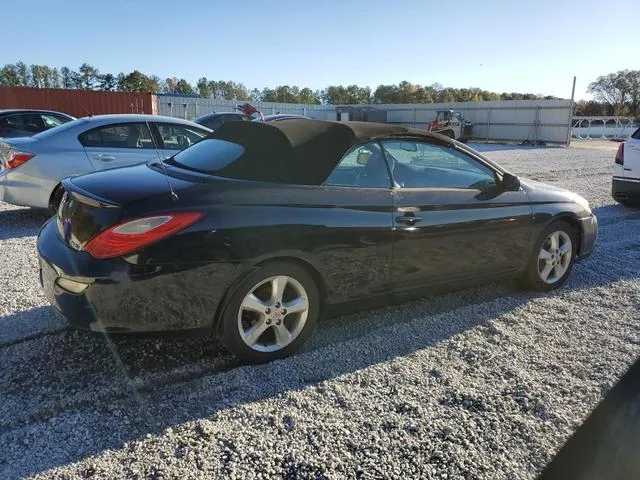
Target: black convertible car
257	228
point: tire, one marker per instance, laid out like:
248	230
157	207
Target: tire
56	198
560	264
268	313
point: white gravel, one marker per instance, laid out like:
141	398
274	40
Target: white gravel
483	383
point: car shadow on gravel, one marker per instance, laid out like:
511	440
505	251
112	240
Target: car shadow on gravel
21	222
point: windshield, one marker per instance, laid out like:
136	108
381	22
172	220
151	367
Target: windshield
208	156
60	128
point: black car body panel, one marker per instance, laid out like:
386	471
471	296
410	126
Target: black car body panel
356	242
626	190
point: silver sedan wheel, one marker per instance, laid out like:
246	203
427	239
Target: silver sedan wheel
273	313
555	257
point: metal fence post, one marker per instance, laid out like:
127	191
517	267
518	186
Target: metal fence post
489	123
414	117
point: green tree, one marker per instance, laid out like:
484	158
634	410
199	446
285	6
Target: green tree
617	91
349	95
23	74
67	78
588	108
136	81
9	76
39	76
89	77
107	82
183	87
229	90
306	95
204	91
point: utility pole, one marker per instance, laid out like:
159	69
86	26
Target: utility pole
573	92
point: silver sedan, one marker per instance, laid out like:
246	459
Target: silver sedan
32	168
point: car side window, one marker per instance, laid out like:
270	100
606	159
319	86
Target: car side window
179	137
214	122
416	164
127	135
363	166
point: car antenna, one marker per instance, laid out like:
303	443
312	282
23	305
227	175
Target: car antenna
174	195
88	112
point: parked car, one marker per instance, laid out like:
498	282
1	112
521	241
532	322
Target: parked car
279	117
215	120
258	228
25	122
32	168
625	186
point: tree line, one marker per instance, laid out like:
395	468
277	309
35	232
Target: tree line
615	94
88	77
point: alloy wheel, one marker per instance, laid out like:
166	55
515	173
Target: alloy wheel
273	313
555	257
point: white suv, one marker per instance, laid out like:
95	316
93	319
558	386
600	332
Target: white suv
626	174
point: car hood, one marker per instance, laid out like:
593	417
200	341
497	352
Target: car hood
540	192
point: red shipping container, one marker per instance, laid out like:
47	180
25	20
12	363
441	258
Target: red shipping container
78	103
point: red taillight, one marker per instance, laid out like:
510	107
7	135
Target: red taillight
620	155
134	234
18	158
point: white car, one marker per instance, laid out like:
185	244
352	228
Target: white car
626	173
32	168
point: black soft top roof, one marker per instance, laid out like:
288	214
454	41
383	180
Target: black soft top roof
300	151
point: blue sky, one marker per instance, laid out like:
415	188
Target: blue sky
500	46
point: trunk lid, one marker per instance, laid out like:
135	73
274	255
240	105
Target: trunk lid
129	184
96	201
8	145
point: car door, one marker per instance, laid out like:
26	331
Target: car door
355	243
176	136
452	220
118	145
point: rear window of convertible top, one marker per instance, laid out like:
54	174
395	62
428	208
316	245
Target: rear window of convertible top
208	156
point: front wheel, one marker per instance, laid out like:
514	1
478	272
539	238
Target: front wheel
553	258
271	313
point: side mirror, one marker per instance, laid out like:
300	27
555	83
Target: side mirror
510	182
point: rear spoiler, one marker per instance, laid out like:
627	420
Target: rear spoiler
86	197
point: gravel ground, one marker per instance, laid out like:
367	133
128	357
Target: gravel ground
484	383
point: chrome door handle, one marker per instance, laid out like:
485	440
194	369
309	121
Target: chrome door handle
408	219
104	158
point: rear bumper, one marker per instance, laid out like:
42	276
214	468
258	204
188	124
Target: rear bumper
625	189
125	297
589	227
19	189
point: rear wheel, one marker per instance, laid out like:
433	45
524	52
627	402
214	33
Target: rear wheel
553	257
271	313
56	199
